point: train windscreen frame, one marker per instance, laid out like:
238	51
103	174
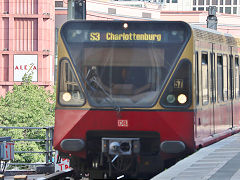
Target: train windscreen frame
124	63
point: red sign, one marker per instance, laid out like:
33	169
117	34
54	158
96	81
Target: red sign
122	123
25	67
62	165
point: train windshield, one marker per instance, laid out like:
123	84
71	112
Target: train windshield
124	66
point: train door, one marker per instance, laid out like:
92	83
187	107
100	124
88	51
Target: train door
206	119
212	88
236	103
231	86
197	95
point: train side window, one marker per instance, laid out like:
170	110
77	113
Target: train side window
210	77
237	76
230	77
205	93
69	89
219	78
225	77
197	78
213	78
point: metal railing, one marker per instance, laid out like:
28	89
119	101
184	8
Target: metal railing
48	145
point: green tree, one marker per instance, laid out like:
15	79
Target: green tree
27	105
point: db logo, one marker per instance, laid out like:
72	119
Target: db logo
122	123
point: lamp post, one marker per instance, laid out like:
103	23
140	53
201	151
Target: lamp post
212	18
76	9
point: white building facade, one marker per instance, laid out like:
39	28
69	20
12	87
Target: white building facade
223	6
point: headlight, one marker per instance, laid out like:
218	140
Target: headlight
171	98
66	96
182	98
125	25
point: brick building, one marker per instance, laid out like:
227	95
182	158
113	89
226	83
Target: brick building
26	42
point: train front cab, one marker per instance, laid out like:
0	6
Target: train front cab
108	126
217	111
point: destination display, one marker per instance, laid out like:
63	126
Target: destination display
84	36
110	36
115	32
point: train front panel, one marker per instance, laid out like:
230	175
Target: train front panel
124	96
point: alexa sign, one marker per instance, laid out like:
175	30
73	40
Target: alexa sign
25	64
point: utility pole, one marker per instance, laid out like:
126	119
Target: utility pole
76	9
212	18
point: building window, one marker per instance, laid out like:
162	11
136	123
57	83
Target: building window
174	1
201	8
234	10
194	2
228	10
208	2
58	3
235	2
111	11
214	2
194	9
228	2
146	15
168	1
221	2
200	2
221	9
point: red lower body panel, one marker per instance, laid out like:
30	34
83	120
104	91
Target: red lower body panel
74	124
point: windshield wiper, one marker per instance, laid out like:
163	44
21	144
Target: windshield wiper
93	82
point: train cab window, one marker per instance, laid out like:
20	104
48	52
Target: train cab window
69	89
197	78
126	67
225	77
205	93
219	78
123	75
237	76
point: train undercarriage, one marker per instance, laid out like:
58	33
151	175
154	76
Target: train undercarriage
106	166
111	155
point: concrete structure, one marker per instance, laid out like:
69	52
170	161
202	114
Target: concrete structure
219	161
60	12
26	42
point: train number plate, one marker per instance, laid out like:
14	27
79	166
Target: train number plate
122	123
178	83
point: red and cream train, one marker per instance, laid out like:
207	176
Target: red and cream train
132	95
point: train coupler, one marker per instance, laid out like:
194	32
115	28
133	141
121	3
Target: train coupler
121	154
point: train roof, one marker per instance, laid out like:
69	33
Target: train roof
214	35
